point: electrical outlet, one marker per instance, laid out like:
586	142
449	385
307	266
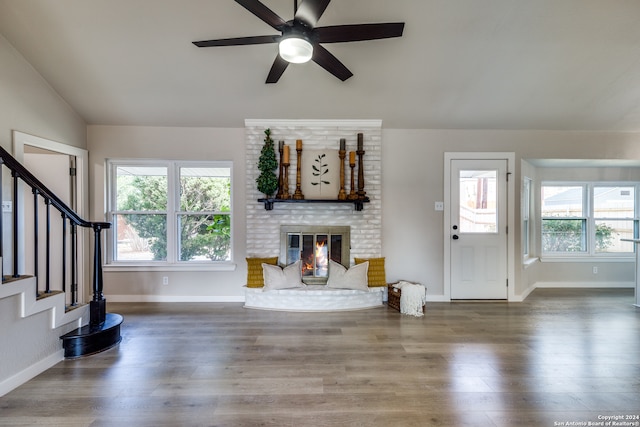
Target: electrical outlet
439	206
165	280
595	270
7	206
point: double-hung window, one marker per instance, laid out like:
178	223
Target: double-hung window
588	219
614	218
564	221
526	217
169	212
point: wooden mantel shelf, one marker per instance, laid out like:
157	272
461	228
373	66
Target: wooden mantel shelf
268	203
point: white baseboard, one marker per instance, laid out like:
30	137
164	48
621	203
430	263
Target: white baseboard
603	285
430	298
25	375
437	298
523	295
174	298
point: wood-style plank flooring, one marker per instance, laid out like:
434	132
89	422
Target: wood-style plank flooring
562	356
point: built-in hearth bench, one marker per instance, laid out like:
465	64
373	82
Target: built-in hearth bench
313	298
273	287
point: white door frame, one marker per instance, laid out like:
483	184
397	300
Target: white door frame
511	160
20	140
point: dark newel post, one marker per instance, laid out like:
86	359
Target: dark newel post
97	307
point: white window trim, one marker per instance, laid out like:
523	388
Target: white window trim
172	263
526	216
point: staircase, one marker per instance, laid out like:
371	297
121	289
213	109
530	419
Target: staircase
41	317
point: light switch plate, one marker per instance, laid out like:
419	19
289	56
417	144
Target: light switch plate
439	206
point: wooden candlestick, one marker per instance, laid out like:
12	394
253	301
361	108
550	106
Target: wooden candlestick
342	195
285	183
352	194
360	152
361	192
297	195
280	182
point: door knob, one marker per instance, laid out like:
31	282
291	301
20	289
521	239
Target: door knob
455	237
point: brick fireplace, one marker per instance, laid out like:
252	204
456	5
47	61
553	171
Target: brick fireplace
264	227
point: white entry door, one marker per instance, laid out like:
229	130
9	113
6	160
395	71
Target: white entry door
478	259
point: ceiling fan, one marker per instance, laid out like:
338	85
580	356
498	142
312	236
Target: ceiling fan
300	39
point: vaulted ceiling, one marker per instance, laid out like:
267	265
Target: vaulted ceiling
461	64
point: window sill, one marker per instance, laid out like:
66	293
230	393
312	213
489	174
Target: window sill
528	262
226	266
587	258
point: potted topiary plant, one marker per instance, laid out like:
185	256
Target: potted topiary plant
267	180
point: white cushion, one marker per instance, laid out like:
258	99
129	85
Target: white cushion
282	278
353	278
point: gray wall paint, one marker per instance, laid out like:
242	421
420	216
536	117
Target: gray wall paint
413	169
28	104
113	142
412	180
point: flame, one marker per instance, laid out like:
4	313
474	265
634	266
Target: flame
322	262
318	262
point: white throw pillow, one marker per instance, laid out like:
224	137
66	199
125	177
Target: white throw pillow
353	278
282	278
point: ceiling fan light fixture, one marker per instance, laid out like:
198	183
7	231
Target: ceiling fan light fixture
295	49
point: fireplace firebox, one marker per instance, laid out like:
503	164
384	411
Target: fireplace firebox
314	246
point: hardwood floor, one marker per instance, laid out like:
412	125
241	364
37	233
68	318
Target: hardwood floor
562	356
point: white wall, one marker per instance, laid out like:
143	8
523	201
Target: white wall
412	180
413	170
118	142
28	104
263	227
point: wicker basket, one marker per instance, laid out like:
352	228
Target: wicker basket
393	297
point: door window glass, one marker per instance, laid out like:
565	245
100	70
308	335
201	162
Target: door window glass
478	201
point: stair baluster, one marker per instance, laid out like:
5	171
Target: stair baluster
103	330
15	176
64	252
36	250
48	247
74	272
1	226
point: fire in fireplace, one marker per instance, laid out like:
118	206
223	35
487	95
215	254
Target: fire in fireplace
314	246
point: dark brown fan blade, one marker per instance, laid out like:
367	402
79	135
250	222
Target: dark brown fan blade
309	11
238	41
263	12
358	32
326	60
278	67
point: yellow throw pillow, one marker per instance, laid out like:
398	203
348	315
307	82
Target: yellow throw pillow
376	274
255	279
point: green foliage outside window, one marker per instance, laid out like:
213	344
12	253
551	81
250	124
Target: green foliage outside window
201	235
567	235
